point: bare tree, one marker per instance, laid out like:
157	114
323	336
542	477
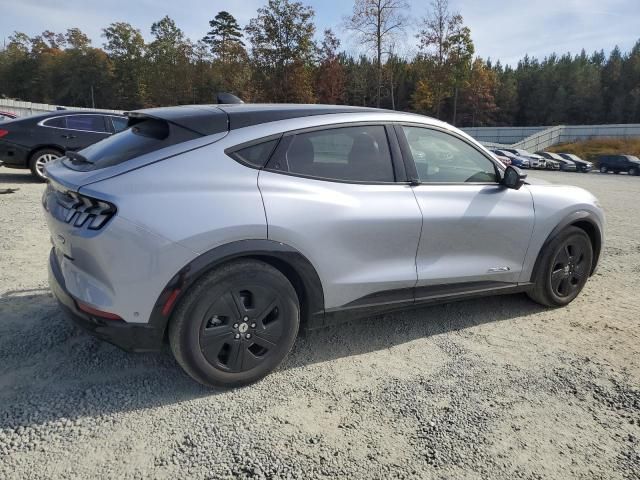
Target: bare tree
447	43
376	22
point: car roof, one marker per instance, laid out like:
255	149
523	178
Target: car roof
210	119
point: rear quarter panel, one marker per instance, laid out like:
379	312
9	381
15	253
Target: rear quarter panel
199	199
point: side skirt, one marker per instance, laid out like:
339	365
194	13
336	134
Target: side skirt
405	299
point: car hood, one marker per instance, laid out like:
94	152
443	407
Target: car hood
536	181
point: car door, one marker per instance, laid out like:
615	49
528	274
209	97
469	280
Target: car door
83	130
339	195
475	231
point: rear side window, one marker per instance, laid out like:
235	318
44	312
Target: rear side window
144	137
255	155
87	123
352	154
58	122
119	123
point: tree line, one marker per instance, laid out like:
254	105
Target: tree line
275	58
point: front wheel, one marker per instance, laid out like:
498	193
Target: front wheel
236	324
563	268
38	161
633	171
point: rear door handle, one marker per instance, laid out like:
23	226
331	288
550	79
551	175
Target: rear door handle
68	136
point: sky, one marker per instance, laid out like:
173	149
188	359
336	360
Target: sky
502	30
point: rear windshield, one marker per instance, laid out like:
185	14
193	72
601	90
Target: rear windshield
144	137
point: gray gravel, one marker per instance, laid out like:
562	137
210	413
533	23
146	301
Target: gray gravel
492	388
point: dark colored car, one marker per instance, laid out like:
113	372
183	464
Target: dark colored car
31	142
581	165
535	161
564	164
5	116
619	163
516	160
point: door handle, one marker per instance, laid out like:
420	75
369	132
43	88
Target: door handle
68	136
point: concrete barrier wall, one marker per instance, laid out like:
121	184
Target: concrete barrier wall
539	138
503	135
23	109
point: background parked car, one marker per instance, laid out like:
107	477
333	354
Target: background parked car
564	164
619	163
581	165
31	142
552	164
5	116
506	161
516	160
535	161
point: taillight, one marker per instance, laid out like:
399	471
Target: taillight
3	132
82	210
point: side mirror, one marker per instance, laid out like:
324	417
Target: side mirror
513	177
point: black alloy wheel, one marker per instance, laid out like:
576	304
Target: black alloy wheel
570	267
563	268
236	324
242	328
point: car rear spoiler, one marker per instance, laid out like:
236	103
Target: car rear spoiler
201	119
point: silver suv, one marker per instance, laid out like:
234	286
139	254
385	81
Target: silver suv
225	229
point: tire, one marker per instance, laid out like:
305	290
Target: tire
563	268
603	169
236	324
39	159
633	171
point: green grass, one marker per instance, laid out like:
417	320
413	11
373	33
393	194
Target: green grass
590	149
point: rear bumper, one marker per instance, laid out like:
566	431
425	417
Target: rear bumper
13	156
129	337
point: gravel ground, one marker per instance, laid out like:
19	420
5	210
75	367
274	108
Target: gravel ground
493	388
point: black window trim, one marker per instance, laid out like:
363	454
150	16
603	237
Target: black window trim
42	122
412	171
398	164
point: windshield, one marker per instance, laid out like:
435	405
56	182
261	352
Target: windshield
633	158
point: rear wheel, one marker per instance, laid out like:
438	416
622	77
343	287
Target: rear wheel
563	269
603	169
236	324
39	159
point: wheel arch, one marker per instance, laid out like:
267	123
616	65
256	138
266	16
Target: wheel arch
34	150
289	261
586	221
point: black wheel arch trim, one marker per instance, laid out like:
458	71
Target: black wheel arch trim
581	219
293	264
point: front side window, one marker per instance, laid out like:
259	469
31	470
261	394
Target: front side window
88	123
352	154
442	158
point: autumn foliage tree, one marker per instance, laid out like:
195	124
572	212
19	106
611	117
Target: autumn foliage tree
330	83
277	58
